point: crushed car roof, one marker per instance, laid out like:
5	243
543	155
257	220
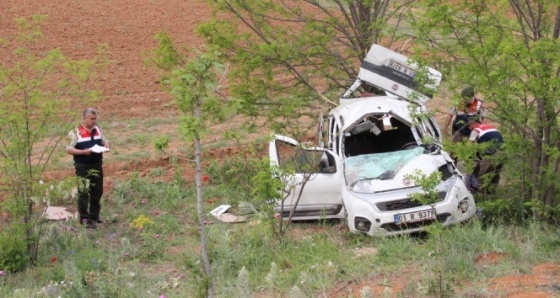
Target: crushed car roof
396	74
360	107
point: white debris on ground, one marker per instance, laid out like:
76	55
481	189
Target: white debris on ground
221	215
58	213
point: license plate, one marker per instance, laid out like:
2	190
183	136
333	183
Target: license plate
401	68
410	217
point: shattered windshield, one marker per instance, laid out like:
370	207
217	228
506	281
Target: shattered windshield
380	166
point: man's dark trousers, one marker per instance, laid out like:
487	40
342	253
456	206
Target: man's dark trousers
89	199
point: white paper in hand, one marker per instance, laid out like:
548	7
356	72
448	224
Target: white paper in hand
99	149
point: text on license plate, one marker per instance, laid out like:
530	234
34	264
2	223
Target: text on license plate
415	216
401	68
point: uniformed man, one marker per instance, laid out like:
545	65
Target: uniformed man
470	107
87	144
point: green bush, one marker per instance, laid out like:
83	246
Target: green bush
13	251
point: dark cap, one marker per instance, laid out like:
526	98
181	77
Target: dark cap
467	92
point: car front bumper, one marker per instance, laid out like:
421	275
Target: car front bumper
365	217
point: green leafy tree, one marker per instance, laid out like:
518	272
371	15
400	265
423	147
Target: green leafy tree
39	92
195	86
295	58
509	51
290	59
440	286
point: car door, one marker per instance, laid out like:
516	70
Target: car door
434	129
313	189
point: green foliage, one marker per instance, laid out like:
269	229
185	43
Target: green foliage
161	142
57	192
153	246
265	185
85	264
138	192
428	184
439	285
250	175
117	261
194	84
397	251
512	62
37	96
295	60
464	152
164	259
313	261
13	254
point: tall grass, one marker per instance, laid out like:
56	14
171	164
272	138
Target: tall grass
150	248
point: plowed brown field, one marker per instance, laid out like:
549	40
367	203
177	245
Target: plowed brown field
131	91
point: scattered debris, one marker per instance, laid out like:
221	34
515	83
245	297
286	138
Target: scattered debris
231	218
219	210
220	213
59	213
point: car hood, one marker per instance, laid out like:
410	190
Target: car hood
391	170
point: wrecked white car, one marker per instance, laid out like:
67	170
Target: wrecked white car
371	145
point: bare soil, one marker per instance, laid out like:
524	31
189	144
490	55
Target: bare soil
132	91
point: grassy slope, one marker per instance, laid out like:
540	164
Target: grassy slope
150	248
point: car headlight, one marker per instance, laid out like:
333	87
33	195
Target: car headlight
362	224
463	206
446	171
363	186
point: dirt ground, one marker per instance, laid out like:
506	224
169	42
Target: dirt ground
131	90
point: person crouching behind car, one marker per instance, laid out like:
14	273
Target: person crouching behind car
486	164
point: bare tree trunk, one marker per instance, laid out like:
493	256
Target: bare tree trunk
542	163
199	200
549	196
556	31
